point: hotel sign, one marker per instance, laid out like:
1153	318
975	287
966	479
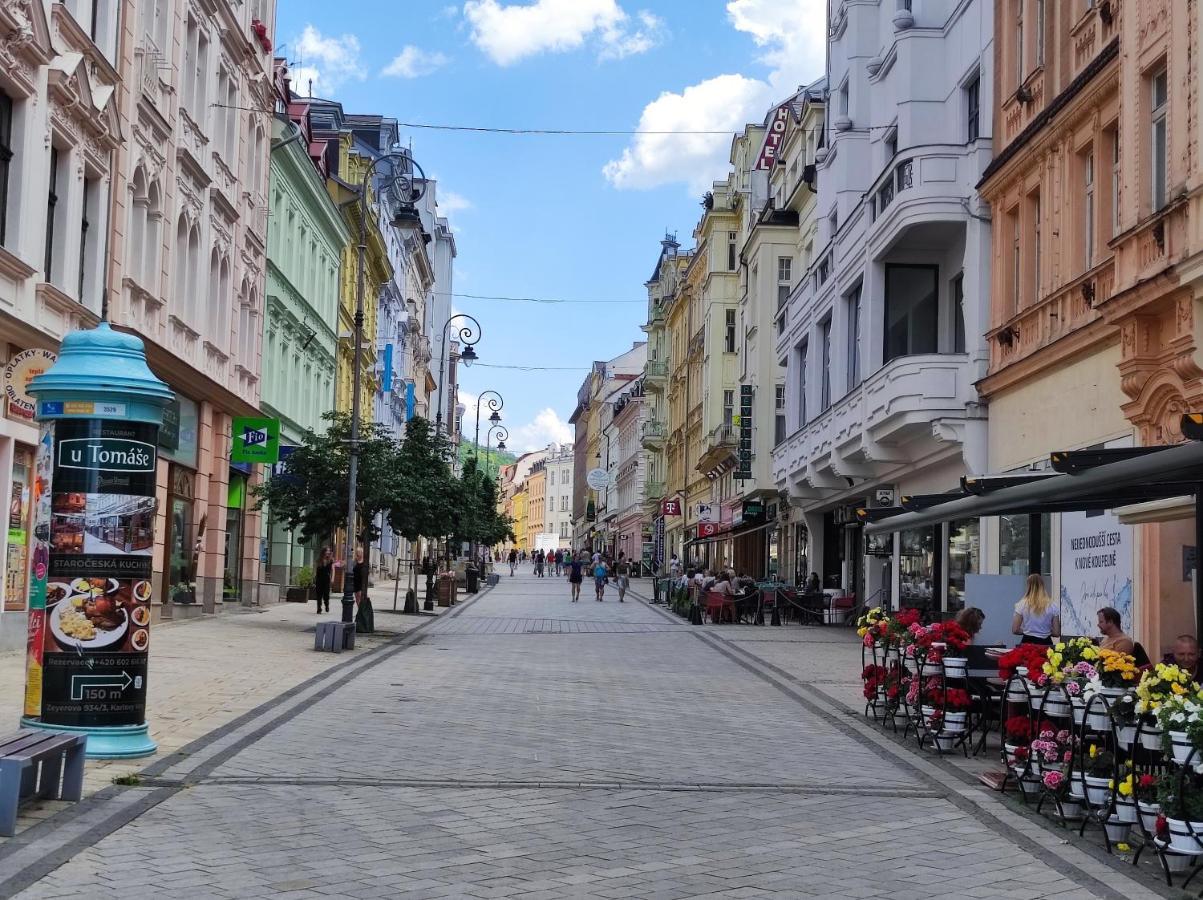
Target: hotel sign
774	138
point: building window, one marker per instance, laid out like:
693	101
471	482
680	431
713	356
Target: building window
911	310
729	340
844	98
6	157
551	479
1159	85
973	101
1019	69
731	256
1039	32
1016	261
51	205
958	313
785	265
803	362
564	503
1038	247
825	383
91	213
728	407
1115	180
852	305
1088	210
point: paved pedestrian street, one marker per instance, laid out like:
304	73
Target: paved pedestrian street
525	746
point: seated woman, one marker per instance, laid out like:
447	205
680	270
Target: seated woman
971	618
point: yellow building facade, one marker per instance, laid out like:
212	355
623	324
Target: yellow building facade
521	517
536	504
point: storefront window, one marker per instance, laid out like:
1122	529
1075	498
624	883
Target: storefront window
16	570
181	558
964	558
1013	533
916	566
235	500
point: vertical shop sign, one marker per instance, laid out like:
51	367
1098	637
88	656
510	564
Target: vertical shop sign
743	468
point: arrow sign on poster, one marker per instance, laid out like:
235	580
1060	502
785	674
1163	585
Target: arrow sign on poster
80	683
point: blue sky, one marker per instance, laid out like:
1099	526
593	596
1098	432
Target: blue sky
571	217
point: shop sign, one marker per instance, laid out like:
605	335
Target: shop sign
1096	570
743	467
774	137
670	506
91	588
752	511
186	450
658	541
705	512
256	439
169	432
707	529
598	479
21	369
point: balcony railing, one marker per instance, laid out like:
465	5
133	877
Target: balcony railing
653	433
653	490
657	368
722	436
902	178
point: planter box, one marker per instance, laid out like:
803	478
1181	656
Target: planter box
1181	747
298	594
1148	813
1186	837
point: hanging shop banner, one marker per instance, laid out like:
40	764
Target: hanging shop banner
96	591
670	506
256	439
1096	570
774	136
20	370
658	542
39	568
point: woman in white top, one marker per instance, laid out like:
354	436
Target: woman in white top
1036	619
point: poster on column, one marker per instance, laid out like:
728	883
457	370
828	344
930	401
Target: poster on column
39	567
1096	570
98	591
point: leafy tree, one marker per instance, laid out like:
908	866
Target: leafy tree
424	493
309	493
479	520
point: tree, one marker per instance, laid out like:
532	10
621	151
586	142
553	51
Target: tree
309	492
478	520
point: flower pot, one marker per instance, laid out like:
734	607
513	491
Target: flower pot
1077	790
928	669
1181	747
1098	789
945	742
1009	754
1112	692
1148	813
1177	862
1125	735
956	667
1078	706
1117	832
1017	692
1186	837
1098	719
1056	706
1037	699
1125	811
927	711
1150	738
955	722
1071	808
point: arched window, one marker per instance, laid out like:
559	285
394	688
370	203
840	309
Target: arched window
151	267
192	292
179	287
135	235
223	308
213	288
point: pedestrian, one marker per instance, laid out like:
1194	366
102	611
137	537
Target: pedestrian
600	576
558	560
623	571
323	575
365	621
513	560
539	560
575	578
674	567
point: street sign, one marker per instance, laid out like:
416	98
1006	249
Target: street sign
256	439
598	479
670	506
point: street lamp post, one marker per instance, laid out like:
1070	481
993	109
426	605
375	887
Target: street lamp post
407	190
469	336
496	402
502	434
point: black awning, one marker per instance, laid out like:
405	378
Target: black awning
1154	475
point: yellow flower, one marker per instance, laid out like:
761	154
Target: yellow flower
1123	848
1177	688
1094	751
1060	648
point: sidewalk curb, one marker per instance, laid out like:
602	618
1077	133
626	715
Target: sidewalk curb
1019	825
43	847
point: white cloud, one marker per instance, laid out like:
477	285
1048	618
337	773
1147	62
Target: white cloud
546	428
329	61
414	62
508	34
791	33
450	202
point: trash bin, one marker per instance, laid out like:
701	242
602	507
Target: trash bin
471	583
446	589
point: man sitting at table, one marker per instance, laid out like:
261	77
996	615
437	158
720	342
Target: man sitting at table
1113	632
1186	655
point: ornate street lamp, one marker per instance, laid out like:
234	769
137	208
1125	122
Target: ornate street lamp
468	335
496	402
502	434
405	189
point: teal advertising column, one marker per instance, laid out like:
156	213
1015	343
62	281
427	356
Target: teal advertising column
99	408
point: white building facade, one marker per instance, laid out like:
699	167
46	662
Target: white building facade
558	465
882	335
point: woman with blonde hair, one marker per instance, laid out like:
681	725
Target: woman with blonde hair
1036	619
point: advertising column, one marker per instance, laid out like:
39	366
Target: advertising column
100	409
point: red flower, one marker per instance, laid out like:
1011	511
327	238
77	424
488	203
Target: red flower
1029	656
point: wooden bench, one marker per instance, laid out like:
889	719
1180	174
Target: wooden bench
48	765
334	636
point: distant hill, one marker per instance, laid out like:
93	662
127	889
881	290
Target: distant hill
496	458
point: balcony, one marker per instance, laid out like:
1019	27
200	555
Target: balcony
653	490
653	434
655	375
911	408
722	436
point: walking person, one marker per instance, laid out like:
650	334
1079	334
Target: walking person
575	577
513	560
559	561
623	570
600	576
539	560
365	620
323	575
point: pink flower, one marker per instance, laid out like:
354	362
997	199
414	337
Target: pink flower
1053	780
1073	688
1085	668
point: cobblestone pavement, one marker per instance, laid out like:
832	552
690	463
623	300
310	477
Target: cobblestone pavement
529	747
